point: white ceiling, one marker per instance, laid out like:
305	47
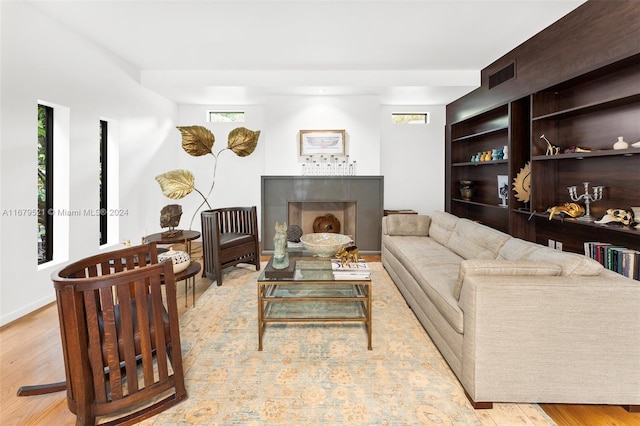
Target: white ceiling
414	52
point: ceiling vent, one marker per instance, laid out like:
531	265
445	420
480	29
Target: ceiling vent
500	76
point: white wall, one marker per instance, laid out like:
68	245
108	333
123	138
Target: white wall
413	159
42	61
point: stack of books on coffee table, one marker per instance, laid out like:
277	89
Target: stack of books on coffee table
352	271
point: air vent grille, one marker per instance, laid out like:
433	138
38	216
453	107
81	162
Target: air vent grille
505	74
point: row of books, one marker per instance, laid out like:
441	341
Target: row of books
619	259
352	271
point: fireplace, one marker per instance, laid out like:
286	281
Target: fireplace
305	213
357	202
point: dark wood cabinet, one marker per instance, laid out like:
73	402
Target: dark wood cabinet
582	118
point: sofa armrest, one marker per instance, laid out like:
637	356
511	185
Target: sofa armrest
406	225
551	339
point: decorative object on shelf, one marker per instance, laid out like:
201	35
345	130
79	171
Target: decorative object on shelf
327	223
170	218
328	166
180	259
617	215
198	141
323	142
636	144
505	152
324	244
573	148
294	232
347	255
551	149
466	189
620	143
636	216
522	184
588	199
281	253
503	189
571	209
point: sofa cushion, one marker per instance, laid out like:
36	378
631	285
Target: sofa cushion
472	240
442	225
503	267
408	224
571	263
438	281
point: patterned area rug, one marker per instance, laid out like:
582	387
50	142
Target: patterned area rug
319	374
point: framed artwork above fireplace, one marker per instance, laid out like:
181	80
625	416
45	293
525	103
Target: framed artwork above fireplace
323	143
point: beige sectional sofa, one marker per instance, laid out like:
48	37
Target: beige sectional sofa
517	321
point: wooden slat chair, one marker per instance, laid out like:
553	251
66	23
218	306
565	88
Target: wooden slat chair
229	237
120	337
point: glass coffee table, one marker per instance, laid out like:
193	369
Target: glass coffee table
313	294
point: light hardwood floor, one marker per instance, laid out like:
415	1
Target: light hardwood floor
30	353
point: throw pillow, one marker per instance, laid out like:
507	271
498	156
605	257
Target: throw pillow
471	267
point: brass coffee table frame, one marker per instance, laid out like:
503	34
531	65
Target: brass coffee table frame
268	287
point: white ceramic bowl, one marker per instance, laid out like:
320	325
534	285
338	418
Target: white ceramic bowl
324	244
180	259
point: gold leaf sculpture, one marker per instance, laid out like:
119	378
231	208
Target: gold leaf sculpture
197	140
243	141
522	184
176	184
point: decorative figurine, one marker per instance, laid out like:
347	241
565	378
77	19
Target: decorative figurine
617	215
551	149
347	255
280	254
571	209
170	218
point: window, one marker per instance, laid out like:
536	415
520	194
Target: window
226	116
45	184
102	176
414	118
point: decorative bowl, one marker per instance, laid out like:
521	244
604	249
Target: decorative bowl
324	244
180	259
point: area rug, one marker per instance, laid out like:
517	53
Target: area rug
319	373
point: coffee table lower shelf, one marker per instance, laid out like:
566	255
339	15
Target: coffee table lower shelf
314	301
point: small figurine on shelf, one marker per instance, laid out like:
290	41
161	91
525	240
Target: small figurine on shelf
625	217
551	149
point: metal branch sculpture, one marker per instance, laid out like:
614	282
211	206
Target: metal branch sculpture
198	141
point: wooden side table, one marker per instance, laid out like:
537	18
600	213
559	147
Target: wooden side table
189	275
184	238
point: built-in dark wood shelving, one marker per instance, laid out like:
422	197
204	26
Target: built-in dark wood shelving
481	134
480	163
589	111
592	154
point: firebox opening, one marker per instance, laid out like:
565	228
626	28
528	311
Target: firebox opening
305	213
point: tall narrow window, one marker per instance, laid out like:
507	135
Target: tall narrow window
103	182
45	184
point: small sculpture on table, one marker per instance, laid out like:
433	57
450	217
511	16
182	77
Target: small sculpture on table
348	255
170	218
281	254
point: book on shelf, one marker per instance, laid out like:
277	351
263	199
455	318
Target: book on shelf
622	260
